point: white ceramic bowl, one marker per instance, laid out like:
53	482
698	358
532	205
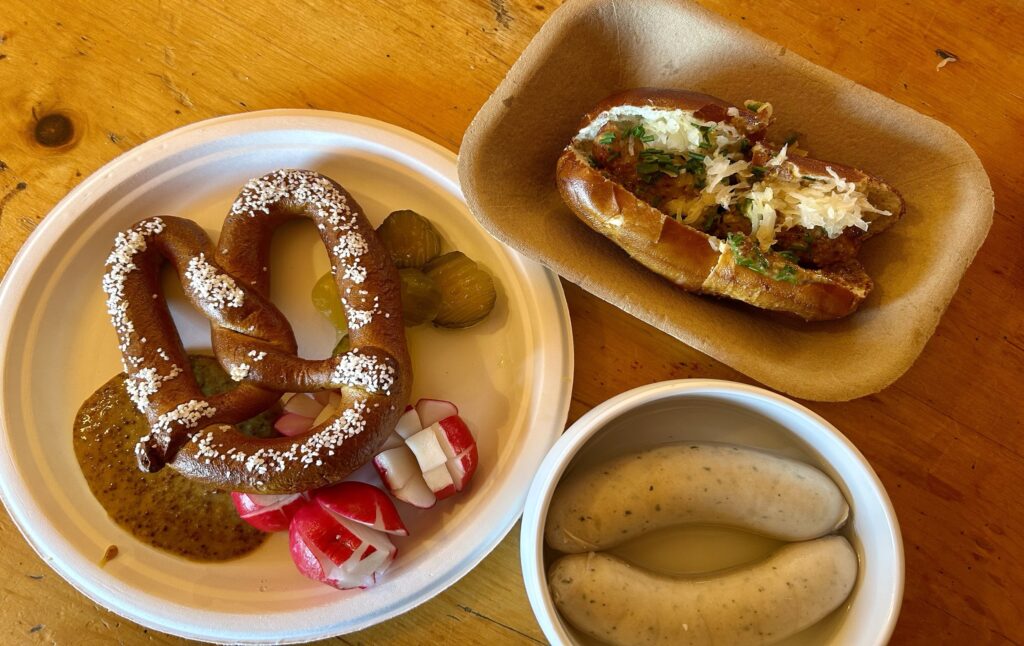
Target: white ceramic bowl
721	411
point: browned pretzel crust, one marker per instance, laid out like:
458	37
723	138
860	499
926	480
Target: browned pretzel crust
254	341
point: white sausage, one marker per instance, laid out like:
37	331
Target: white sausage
715	484
796	587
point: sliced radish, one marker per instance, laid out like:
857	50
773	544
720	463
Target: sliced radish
427	449
362	503
408	424
335	537
322	396
462	468
303	404
330	551
433	462
265	512
440	481
434	410
291	424
459	447
401	474
416	493
396	466
454	436
330	409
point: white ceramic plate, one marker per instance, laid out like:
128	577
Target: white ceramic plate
510	375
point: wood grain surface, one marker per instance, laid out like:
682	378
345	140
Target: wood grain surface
81	83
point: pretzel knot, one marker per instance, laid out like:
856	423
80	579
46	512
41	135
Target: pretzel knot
252	339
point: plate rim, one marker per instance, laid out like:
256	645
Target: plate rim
20	506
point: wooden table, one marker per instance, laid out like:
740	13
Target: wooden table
947	439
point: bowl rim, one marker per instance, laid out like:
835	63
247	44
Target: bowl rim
583	430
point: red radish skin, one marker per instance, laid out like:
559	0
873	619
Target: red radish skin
340	537
454	436
459	447
322	549
433	410
462	468
265	512
305	560
364	504
291	424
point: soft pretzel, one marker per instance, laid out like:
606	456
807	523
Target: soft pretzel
254	342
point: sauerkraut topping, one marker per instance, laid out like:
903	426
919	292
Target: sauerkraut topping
672	131
713	175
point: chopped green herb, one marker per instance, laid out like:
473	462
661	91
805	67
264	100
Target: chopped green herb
705	135
758	171
753	106
745	145
641	134
747	255
792	138
786	273
654	161
607	138
647	168
788	255
696	166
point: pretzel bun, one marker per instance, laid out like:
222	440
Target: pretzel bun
700	261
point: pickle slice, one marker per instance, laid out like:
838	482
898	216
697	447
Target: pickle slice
421	299
467	292
410	238
327	301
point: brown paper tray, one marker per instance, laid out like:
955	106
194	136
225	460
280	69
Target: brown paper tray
591	48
